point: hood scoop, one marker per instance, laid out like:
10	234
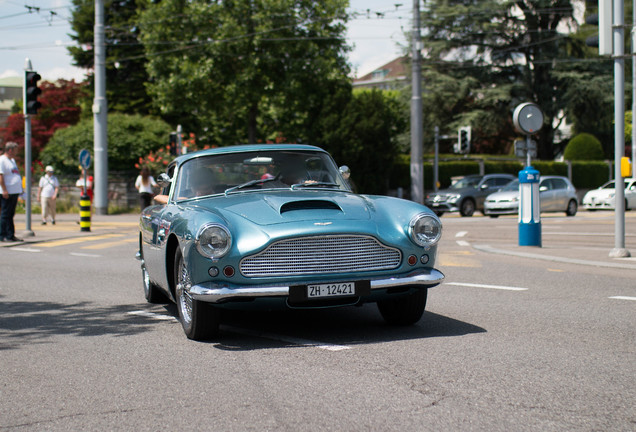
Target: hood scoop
309	205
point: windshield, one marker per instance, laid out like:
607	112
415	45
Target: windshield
274	169
466	182
512	186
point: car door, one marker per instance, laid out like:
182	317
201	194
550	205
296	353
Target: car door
560	194
546	195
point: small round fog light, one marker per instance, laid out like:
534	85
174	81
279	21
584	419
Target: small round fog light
424	259
213	271
228	271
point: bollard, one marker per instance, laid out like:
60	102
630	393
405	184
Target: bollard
529	208
85	213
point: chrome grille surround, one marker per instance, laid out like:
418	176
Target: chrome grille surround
321	255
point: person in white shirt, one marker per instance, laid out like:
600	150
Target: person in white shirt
11	188
47	194
144	184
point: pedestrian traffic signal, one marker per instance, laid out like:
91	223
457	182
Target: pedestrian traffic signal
31	92
173	144
602	19
463	140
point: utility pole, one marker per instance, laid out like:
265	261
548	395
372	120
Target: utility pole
619	250
27	153
417	169
100	115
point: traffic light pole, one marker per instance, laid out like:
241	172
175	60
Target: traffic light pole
100	115
417	167
27	155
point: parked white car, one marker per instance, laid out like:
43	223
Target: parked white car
556	194
603	197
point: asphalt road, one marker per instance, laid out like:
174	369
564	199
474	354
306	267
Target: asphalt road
507	343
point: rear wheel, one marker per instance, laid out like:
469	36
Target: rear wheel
200	321
572	208
151	291
404	310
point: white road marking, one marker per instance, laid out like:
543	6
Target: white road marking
24	249
623	298
461	234
499	287
247	332
153	315
289	339
79	254
463	243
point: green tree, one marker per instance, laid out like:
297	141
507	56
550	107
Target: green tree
245	71
130	137
364	136
496	54
126	74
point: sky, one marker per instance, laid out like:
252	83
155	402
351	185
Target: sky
39	30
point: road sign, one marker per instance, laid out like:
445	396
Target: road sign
522	148
85	158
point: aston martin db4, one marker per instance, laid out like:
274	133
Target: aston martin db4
267	226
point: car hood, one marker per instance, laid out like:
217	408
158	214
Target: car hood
503	196
289	206
600	194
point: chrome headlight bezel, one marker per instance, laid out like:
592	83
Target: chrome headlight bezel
213	240
425	229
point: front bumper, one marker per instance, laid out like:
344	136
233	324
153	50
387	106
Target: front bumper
219	293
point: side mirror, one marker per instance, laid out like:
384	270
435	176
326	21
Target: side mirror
163	180
543	188
345	172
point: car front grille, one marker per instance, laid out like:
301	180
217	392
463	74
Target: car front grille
321	255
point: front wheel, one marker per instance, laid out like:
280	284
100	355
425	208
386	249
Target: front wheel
572	208
467	207
200	321
404	310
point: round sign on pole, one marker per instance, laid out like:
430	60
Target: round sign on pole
85	158
528	118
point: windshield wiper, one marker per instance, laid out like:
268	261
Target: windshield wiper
315	184
251	183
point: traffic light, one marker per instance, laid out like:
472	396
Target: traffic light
463	140
173	144
31	92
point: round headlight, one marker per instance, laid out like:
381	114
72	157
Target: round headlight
213	241
425	229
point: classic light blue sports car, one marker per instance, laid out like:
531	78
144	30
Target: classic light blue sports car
265	225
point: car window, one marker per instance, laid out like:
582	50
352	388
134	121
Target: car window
466	182
501	181
608	185
512	186
215	174
491	182
558	183
545	185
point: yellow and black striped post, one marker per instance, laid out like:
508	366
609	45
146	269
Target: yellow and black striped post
85	213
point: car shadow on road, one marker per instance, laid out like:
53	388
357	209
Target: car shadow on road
23	323
242	330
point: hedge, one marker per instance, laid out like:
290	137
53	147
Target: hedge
585	174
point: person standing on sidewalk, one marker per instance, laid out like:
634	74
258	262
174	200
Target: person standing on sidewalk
47	194
11	188
144	184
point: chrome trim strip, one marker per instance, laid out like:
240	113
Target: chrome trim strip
215	292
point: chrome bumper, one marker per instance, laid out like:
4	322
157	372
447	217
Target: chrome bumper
215	293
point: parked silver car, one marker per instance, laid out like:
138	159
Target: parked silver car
467	194
556	194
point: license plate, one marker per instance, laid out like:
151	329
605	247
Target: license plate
331	290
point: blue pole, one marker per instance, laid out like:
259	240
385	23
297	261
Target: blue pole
529	208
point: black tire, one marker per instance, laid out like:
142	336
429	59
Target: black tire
467	207
439	213
200	321
572	208
152	292
494	216
404	310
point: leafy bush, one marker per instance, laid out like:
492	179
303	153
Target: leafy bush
129	138
584	146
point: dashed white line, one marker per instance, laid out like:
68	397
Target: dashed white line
461	234
463	243
623	298
498	287
24	249
79	254
153	315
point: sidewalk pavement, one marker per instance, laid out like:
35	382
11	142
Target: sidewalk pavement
67	226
